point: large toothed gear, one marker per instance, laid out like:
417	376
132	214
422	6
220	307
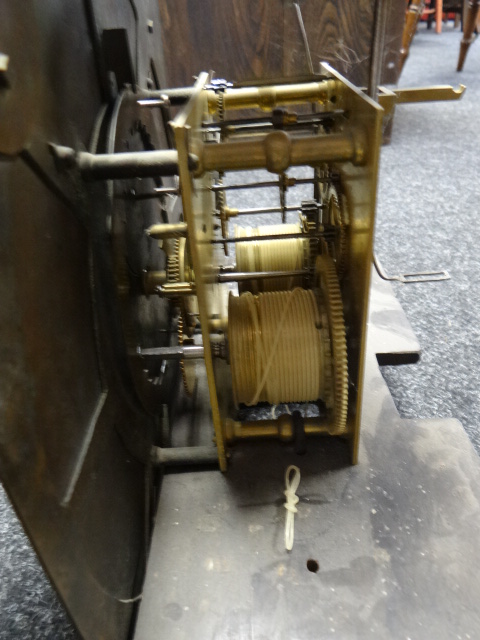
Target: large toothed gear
332	300
336	215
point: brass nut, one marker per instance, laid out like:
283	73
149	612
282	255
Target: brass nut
277	151
229	429
285	427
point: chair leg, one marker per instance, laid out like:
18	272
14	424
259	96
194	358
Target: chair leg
468	31
438	15
414	12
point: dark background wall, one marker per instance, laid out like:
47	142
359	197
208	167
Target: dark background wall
247	39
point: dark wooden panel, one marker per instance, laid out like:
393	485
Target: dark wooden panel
235	38
338	32
393	42
249	39
79	493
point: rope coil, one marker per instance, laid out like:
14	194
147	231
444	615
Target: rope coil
270	255
291	486
276	347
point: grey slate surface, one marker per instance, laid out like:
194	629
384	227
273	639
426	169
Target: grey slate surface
394	539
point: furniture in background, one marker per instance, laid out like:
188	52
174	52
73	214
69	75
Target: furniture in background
414	12
468	31
466	12
438	8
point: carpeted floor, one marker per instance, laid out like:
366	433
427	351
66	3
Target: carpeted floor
426	218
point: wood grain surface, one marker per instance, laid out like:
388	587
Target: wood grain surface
250	39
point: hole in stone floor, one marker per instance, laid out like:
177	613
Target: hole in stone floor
312	565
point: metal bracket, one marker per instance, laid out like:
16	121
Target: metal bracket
407	278
389	99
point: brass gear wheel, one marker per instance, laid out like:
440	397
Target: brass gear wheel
337	215
332	300
309	220
178	270
187	367
178	262
173	261
221	207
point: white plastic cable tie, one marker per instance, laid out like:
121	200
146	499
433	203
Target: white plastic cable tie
291	486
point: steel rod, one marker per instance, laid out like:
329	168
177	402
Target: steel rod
240	276
304	37
167	191
176	97
283	236
377	49
152	103
240	128
184	456
150	195
160	192
179	352
254	212
115	166
301	119
263	184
